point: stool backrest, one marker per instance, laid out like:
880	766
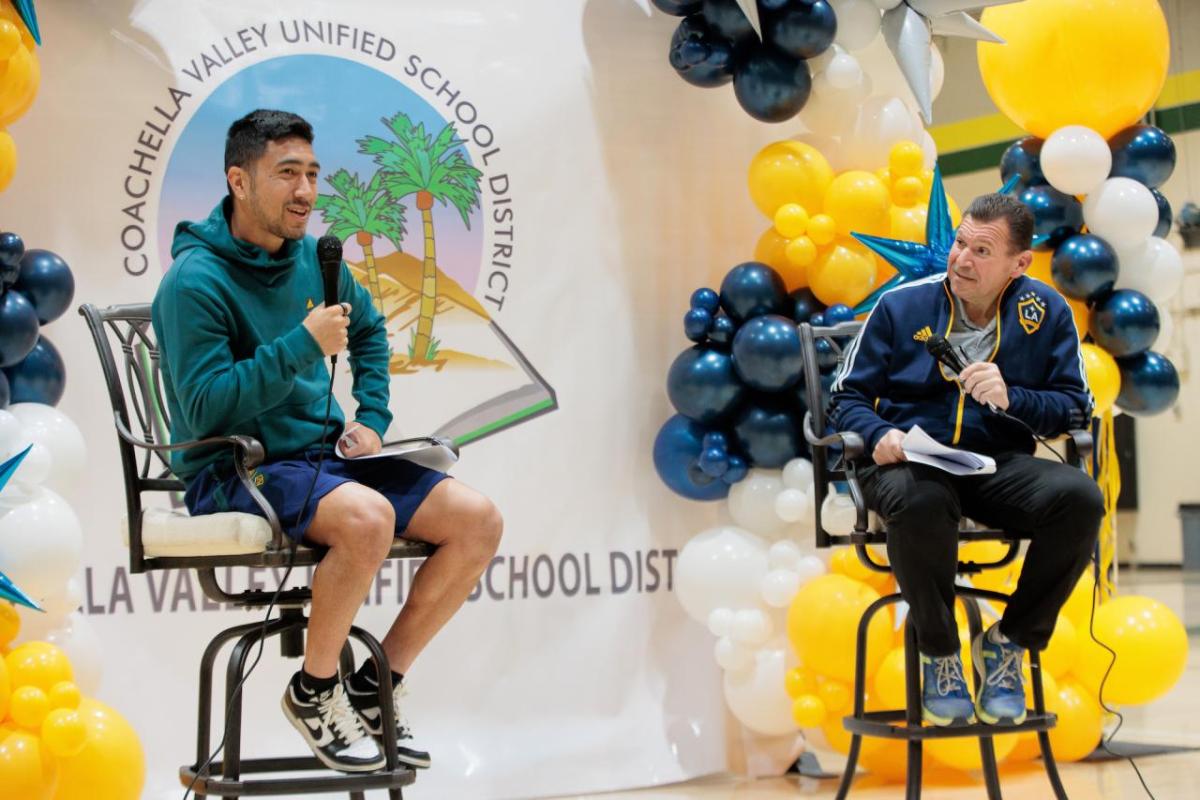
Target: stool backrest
134	384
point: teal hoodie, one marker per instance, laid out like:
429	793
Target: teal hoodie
236	357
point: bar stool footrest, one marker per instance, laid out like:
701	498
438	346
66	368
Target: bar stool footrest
213	784
893	725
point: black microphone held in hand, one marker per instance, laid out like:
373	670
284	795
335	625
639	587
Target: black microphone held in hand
329	257
944	352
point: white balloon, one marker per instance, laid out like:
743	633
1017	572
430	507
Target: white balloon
1121	211
838	514
882	122
779	586
858	22
783	554
731	656
720	568
810	567
720	620
1076	159
37	625
1166	329
41	544
937	71
751	627
752	502
757	697
844	72
887	5
12	434
48	426
798	474
1152	267
35	468
65	601
928	150
818	63
792	505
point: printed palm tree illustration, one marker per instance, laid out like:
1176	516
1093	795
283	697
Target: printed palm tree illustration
432	168
363	211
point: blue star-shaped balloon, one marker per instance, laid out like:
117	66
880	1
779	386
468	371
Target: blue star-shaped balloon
8	589
914	260
29	17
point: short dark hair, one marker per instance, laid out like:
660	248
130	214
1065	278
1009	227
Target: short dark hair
993	207
248	137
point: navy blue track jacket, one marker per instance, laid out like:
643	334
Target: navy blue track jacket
888	379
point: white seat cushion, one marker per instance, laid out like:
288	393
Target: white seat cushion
167	532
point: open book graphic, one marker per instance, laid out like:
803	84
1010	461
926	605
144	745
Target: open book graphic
476	383
921	448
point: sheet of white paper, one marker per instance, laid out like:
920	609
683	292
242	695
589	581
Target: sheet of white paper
432	455
921	448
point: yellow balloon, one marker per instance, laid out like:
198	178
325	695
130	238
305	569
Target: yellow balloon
9	13
28	706
1103	375
64	733
906	160
27	770
771	250
858	201
1097	63
799	681
789	172
5	689
955	213
1078	607
1151	645
908	223
111	765
963	752
8	159
1027	743
10	623
1063	650
1080	722
844	273
982	552
834	694
808	711
888	760
800	253
889	679
39	664
10	39
20	77
64	694
822	229
822	623
791	220
1002	579
907	191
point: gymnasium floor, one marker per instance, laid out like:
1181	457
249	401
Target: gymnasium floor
1171	720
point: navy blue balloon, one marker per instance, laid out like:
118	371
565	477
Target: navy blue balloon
838	313
752	289
705	298
677	8
817	320
700	56
1124	322
804	305
696	324
1144	153
47	282
702	384
827	357
1056	216
801	29
18	328
1024	159
41	376
722	330
726	18
1164	214
5	392
677	450
1084	267
767	353
1149	384
11	250
771	86
769	434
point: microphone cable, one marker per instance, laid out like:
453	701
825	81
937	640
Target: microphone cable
293	546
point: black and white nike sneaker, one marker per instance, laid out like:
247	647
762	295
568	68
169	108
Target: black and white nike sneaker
332	729
363	692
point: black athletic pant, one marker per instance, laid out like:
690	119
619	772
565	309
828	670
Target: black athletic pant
1058	505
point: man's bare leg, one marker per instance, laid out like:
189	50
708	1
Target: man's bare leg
466	527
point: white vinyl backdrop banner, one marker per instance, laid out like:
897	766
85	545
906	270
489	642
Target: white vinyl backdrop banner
608	190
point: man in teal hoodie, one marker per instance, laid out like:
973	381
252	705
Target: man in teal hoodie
244	334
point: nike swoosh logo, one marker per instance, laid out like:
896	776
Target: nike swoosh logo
371	713
325	738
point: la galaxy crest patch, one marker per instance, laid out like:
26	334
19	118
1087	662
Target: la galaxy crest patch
1031	311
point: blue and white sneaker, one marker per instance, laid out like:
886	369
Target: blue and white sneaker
1001	699
945	697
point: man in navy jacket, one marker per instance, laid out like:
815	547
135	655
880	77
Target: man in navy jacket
1023	353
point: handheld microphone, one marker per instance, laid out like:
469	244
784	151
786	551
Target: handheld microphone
329	257
944	352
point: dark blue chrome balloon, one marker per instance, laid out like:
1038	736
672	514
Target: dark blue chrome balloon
751	289
5	392
1149	384
1023	158
1056	216
817	320
768	433
700	55
767	353
677	8
11	250
722	330
838	313
47	282
696	324
1084	267
40	377
677	450
702	384
771	86
827	357
18	327
805	304
801	29
705	298
1124	322
1164	214
726	18
1144	153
